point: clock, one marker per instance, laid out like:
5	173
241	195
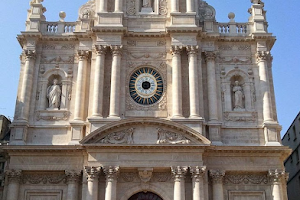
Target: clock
146	86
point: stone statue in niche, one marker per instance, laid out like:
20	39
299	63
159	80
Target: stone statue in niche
238	97
146	3
53	95
146	6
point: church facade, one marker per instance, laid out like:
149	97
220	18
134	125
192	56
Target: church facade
146	99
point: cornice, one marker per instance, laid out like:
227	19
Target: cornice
109	29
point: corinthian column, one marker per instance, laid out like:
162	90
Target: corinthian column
118	5
197	178
212	86
14	177
176	82
27	84
99	81
115	82
193	80
217	179
103	6
264	84
174	5
92	182
80	84
189	5
111	182
276	177
179	182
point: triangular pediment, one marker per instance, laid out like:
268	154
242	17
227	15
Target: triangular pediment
145	131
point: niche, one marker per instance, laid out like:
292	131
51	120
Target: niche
54	92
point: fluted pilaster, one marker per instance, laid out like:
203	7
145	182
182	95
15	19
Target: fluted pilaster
14	178
217	177
73	178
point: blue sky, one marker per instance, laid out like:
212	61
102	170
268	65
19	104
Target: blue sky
283	18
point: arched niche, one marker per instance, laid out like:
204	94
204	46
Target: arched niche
148	188
145	196
64	81
236	84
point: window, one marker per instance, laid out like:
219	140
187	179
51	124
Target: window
294	132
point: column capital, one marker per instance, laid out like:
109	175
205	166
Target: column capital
179	172
276	175
30	54
217	175
192	49
14	175
197	172
262	56
83	54
100	49
176	50
111	173
73	176
210	55
92	172
116	50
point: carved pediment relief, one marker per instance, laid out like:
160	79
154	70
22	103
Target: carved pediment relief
145	131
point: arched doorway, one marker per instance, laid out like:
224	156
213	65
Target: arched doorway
145	196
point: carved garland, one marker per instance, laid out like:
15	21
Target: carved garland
246	179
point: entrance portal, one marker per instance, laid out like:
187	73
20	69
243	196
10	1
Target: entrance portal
145	196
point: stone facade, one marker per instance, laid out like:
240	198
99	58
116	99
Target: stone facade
291	164
146	97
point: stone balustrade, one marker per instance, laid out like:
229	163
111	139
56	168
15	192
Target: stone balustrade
233	29
52	28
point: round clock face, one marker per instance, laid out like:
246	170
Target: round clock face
146	86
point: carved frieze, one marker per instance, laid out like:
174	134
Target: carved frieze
240	116
246	179
147	55
161	177
39	178
57	60
166	137
128	176
235	47
235	59
122	137
54	115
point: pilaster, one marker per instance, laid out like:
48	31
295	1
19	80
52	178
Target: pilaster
217	177
276	177
73	178
14	178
